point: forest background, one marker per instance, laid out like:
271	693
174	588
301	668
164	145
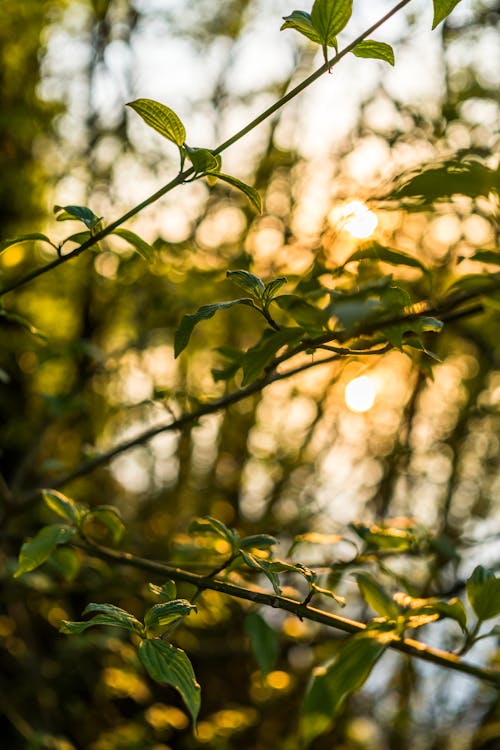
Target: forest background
95	365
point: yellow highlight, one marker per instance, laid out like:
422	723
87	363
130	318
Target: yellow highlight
162	717
360	394
279	680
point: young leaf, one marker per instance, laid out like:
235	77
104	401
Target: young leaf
257	541
272	288
329	17
143	248
442	9
309	317
65	561
165	593
63	505
19	321
441	182
24	238
170	666
108	614
210	525
376	50
161	118
107	516
159	617
483	590
332	684
247	281
263	641
251	193
189	321
301	22
262	354
376	597
265	567
37	550
202	159
78	213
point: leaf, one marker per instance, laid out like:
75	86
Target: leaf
189	321
202	159
36	551
66	561
211	525
265	567
442	9
329	17
441	182
301	22
374	251
272	287
332	684
79	238
376	50
396	540
20	321
143	248
483	591
165	593
79	213
257	541
107	516
247	281
251	193
161	118
263	641
159	617
24	238
309	317
171	666
262	354
396	334
376	596
63	505
486	256
109	615
314	537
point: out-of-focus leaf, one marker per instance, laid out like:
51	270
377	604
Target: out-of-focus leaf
251	193
24	238
166	592
436	183
106	516
35	551
258	357
257	541
332	684
376	50
376	596
210	525
66	562
161	118
264	642
171	666
63	505
19	321
372	250
309	317
144	249
483	591
189	321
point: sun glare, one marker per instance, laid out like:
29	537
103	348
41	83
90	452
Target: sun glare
360	394
357	219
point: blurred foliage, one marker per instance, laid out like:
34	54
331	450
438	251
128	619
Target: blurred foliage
290	460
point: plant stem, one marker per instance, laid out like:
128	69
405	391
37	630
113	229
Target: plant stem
182	176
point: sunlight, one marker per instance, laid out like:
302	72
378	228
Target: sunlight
356	218
360	394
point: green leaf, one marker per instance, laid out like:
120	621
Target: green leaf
19	321
332	684
374	251
396	540
262	354
171	666
376	596
161	118
301	22
37	550
309	317
442	9
441	182
63	505
265	567
376	50
210	525
107	516
251	193
483	590
109	615
329	17
78	213
202	159
189	321
24	238
78	237
66	561
165	593
143	248
486	256
263	641
272	288
247	281
159	617
257	541
396	334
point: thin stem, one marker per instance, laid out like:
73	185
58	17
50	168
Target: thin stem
182	176
304	611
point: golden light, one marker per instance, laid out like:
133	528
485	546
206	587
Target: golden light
357	219
360	394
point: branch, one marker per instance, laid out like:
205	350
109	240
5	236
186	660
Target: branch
182	176
303	611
